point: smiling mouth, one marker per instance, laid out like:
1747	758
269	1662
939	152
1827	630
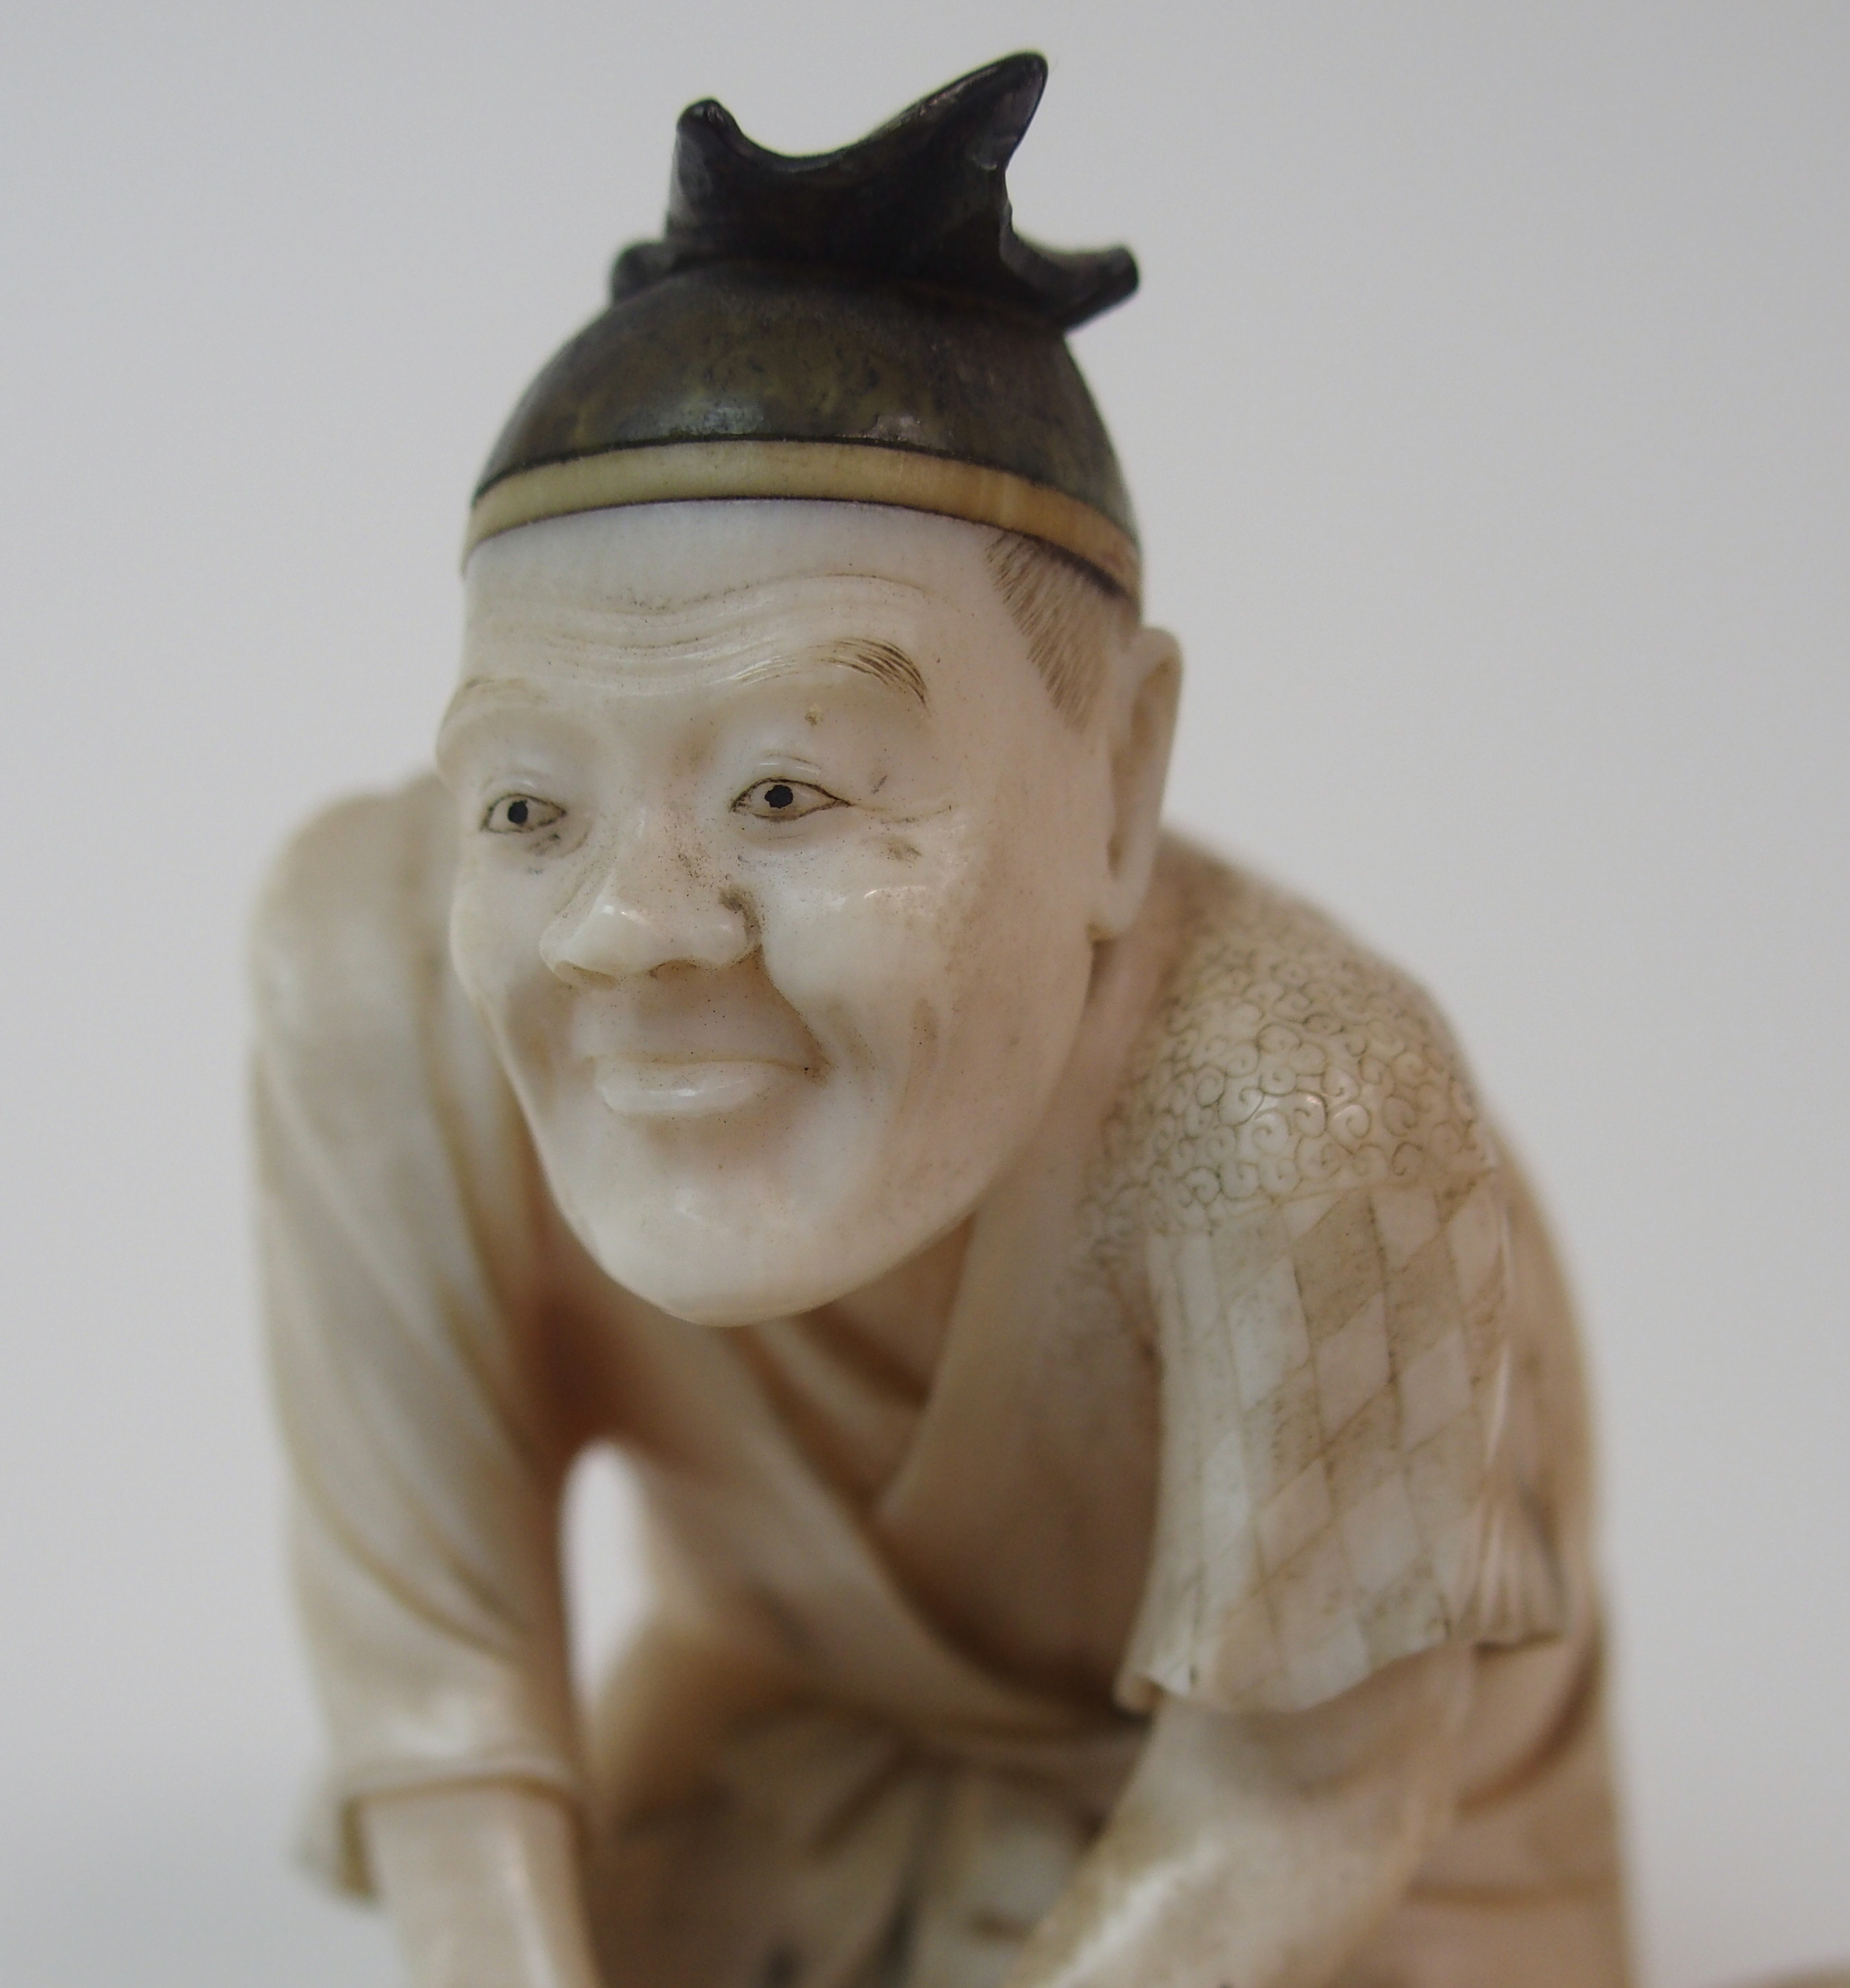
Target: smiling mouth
686	1086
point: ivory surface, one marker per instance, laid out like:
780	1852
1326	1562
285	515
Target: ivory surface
1107	1410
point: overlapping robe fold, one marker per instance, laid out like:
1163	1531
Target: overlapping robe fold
1257	1378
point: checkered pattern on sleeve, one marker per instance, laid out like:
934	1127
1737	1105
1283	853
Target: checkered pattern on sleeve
1333	1371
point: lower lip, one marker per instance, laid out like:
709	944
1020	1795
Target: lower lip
652	1090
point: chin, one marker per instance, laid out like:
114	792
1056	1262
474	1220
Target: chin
740	1294
726	1275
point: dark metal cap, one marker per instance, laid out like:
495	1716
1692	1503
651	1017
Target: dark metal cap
864	325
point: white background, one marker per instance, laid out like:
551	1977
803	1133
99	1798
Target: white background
1485	406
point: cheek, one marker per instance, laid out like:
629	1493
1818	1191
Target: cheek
856	940
920	942
495	929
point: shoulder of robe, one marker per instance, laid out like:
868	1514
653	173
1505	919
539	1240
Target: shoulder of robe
1286	1062
350	938
1325	1230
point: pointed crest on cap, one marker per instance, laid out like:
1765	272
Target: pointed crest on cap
863	325
924	199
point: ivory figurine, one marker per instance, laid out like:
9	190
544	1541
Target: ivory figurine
1106	1409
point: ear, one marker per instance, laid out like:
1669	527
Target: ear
1141	727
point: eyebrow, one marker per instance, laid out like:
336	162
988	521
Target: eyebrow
881	660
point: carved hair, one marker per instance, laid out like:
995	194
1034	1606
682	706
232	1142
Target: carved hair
1070	616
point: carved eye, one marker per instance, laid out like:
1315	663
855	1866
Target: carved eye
783	800
521	814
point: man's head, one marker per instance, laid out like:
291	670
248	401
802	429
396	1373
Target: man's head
798	774
789	832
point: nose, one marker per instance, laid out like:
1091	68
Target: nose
650	908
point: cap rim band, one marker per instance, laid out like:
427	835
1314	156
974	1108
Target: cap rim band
842	472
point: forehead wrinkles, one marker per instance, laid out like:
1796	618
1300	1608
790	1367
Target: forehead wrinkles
742	634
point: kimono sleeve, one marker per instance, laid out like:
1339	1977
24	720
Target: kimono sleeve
1344	1478
396	1200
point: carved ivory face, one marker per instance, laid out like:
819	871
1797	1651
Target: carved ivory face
780	879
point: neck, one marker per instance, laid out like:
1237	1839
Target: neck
903	1314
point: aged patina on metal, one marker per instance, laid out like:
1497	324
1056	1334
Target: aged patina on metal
863	325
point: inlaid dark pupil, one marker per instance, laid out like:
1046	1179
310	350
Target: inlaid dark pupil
517	813
779	796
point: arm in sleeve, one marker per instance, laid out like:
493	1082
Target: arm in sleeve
1348	1499
1337	1528
396	1194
